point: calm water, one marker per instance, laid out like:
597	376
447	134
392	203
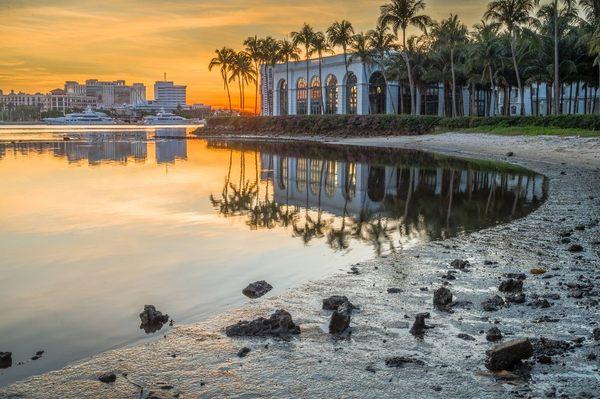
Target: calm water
93	228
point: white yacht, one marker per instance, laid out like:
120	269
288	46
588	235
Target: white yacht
87	117
167	118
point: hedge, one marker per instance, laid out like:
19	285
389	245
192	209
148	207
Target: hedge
381	125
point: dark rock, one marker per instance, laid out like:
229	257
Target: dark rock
580	227
460	264
107	377
540	303
400	361
575	248
510	154
335	301
565	240
442	298
576	293
492	304
243	352
494	334
449	276
544	359
550	347
340	319
516	276
466	337
592	356
5	360
394	290
257	289
436	388
595	334
509	354
511	285
152	319
279	324
517	297
418	328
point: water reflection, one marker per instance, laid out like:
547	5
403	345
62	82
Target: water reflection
97	147
382	197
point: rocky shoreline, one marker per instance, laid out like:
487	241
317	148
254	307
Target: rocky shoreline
548	292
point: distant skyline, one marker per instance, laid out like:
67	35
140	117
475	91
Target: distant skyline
46	43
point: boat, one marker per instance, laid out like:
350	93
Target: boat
167	118
87	117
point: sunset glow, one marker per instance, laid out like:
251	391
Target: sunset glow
46	43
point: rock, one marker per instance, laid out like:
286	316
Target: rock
550	347
436	388
511	285
494	334
442	298
335	301
509	354
340	319
257	289
592	356
544	359
5	360
540	303
492	304
580	227
566	233
565	240
107	377
517	297
595	335
243	352
575	248
400	361
418	328
465	337
510	154
152	319
576	293
537	271
516	276
394	290
279	324
460	264
449	276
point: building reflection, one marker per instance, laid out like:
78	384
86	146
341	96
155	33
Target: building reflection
106	147
383	197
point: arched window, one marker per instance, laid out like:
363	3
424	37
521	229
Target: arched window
331	178
331	95
301	174
376	183
351	93
283	97
301	97
377	93
283	173
316	99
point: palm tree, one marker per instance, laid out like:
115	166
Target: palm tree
223	60
340	34
320	46
486	51
305	37
450	34
288	52
591	31
242	70
254	48
382	43
401	14
362	50
513	14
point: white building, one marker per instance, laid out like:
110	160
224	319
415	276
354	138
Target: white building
56	100
169	95
364	90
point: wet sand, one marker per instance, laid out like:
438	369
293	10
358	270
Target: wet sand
200	361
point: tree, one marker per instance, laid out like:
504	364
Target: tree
401	14
450	34
288	51
320	46
305	37
272	55
242	70
340	34
361	49
254	48
513	14
223	60
382	42
486	51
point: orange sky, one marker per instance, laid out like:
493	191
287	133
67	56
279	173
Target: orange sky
45	42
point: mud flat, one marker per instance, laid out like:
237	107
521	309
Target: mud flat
561	289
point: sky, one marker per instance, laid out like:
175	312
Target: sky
43	43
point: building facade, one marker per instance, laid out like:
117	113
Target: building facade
110	94
170	96
56	100
289	89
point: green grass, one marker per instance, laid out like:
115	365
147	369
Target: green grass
529	131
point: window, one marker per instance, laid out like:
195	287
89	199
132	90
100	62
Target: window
331	95
315	96
351	93
283	98
301	97
377	93
301	174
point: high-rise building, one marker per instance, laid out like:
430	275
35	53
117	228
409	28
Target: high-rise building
109	94
169	95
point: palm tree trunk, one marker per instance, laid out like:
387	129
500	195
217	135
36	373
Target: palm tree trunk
308	102
256	92
345	49
410	77
287	91
228	92
453	83
321	85
556	72
520	87
492	109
